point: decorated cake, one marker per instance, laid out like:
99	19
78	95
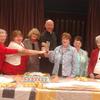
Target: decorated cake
7	81
36	77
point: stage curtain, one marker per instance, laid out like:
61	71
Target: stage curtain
93	24
21	14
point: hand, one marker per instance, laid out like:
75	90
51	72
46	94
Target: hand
41	52
46	54
92	76
69	77
54	78
45	46
97	76
21	51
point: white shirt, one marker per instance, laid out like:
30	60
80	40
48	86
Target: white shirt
14	59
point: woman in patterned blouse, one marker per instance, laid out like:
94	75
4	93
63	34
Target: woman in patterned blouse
64	58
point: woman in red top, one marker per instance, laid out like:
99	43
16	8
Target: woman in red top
16	64
94	63
3	49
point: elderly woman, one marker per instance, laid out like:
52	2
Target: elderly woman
4	50
32	42
82	57
94	63
64	58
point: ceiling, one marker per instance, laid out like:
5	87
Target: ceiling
78	6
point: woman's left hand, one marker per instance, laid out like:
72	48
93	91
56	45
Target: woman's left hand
97	76
42	52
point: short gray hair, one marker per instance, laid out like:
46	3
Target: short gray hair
34	31
49	20
2	31
97	39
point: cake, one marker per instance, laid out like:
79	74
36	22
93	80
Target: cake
7	82
36	77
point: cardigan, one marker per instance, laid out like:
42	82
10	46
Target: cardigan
68	59
93	60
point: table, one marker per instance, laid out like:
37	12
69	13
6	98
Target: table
31	93
66	95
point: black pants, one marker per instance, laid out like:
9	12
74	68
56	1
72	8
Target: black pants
46	66
60	70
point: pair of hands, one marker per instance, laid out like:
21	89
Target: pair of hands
56	77
45	47
42	52
94	77
46	51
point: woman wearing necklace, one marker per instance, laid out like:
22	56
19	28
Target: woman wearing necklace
64	58
32	43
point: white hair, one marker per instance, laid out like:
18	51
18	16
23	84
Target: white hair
97	39
49	20
2	31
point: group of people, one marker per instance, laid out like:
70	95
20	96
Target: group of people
69	61
13	59
40	52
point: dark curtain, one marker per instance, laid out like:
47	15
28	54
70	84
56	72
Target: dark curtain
21	14
93	28
69	22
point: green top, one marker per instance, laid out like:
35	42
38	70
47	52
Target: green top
83	63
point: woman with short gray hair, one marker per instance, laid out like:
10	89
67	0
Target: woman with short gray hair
94	63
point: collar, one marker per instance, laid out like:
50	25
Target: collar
66	49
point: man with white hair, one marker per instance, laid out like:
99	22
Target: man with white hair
49	36
48	39
94	64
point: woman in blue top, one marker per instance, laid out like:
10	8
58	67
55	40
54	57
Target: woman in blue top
82	57
64	58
